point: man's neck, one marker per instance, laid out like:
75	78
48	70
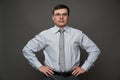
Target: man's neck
60	26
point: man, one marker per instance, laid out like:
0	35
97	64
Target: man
61	41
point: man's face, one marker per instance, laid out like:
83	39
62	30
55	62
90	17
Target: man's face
60	17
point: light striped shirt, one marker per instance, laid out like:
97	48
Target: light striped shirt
48	40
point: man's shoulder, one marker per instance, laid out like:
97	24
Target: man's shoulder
76	30
46	31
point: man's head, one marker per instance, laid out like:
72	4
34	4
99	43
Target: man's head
60	15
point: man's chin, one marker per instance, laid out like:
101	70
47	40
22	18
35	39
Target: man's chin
61	26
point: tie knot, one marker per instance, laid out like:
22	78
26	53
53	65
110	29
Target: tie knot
61	30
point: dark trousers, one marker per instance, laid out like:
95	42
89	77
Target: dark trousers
56	77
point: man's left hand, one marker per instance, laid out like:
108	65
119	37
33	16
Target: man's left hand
77	71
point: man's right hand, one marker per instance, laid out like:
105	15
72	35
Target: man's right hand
46	70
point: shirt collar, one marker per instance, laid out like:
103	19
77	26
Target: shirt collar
56	29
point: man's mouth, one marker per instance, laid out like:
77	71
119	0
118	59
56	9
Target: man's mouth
61	21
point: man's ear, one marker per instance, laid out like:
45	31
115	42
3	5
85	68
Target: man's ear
52	17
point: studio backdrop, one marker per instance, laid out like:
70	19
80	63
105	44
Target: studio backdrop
21	20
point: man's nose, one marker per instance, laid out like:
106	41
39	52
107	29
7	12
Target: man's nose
61	16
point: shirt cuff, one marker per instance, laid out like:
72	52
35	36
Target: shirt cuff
86	66
37	65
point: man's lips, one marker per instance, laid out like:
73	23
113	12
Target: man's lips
61	21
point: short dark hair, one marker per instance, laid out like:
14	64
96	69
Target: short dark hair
60	6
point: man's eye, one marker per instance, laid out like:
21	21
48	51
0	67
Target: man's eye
65	14
57	14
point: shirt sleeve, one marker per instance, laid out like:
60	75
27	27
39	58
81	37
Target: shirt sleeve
92	50
34	45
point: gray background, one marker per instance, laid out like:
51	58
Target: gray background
21	20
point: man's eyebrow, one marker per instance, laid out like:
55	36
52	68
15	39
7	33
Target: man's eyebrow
61	13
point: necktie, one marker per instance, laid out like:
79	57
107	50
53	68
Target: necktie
61	51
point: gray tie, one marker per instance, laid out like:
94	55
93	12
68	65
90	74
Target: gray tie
61	51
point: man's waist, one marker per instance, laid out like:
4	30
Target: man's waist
64	74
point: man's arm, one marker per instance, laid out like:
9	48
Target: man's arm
93	53
34	45
92	50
